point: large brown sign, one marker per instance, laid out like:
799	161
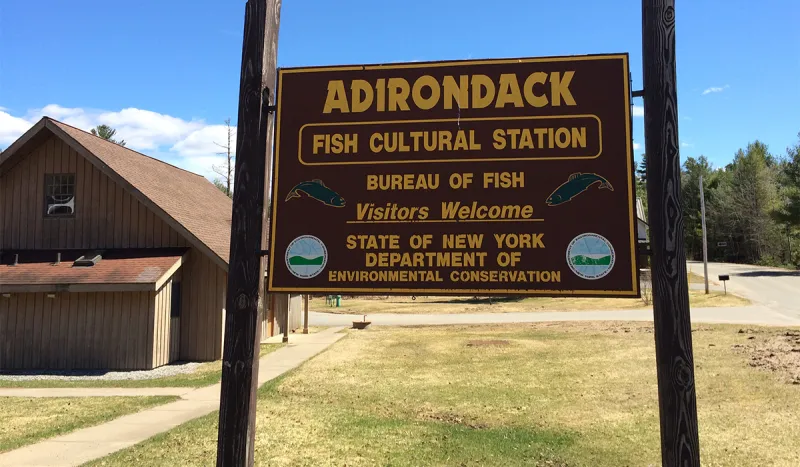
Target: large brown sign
468	177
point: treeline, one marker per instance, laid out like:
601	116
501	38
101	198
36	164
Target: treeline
752	206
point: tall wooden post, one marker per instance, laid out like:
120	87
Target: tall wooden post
237	414
680	445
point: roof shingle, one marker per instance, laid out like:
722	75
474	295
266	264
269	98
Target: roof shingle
190	199
36	267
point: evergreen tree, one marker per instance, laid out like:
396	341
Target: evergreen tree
750	198
788	213
107	133
641	183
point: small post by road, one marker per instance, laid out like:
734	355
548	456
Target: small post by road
305	314
703	222
680	445
244	302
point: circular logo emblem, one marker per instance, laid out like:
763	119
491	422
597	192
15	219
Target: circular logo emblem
590	256
306	256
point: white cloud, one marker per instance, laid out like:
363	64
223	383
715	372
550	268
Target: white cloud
205	140
186	143
11	128
684	144
715	89
636	146
638	111
144	129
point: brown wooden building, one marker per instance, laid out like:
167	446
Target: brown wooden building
109	258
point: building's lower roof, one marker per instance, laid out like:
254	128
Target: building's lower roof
115	271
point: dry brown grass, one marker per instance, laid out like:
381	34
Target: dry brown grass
449	305
556	394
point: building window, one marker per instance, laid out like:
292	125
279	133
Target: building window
59	195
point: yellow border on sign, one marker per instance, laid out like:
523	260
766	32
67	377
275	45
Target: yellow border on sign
443	120
444	63
419	291
631	189
618	293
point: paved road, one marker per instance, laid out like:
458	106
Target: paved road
737	315
775	294
774	288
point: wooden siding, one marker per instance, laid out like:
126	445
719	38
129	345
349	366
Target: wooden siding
266	315
282	303
202	308
106	216
106	330
166	330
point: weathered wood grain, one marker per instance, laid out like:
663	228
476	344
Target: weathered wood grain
680	445
236	435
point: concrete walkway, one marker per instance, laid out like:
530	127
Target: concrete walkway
736	315
92	443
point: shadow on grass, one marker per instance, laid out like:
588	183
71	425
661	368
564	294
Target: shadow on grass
768	274
441	443
478	300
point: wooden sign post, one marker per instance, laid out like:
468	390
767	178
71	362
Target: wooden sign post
245	302
680	445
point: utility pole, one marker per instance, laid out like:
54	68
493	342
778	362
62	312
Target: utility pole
703	222
245	302
680	445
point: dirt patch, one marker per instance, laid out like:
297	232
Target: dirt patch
488	343
776	353
453	419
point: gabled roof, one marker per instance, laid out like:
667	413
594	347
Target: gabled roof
186	201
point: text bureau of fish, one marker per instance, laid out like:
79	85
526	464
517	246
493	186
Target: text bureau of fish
479	275
550	137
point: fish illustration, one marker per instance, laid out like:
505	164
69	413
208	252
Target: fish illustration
575	185
317	190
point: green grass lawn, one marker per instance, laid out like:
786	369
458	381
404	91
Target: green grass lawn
549	394
205	375
25	421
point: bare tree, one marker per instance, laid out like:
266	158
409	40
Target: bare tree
226	169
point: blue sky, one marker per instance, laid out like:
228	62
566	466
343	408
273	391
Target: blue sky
166	73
